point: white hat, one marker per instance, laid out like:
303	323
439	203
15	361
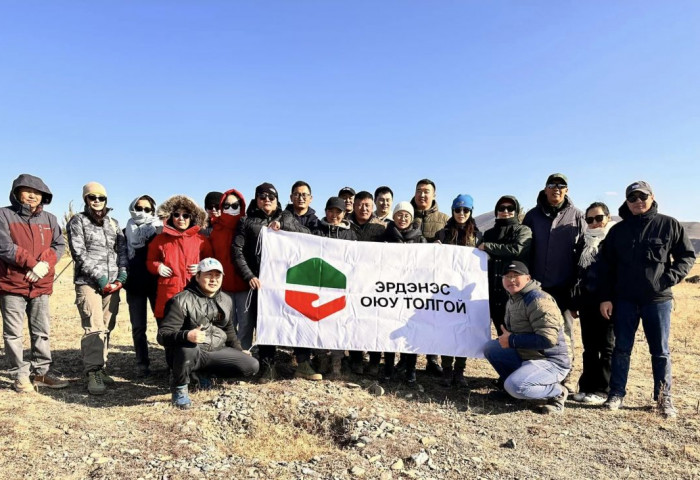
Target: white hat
209	264
403	207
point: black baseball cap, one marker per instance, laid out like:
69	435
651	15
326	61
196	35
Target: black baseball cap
517	267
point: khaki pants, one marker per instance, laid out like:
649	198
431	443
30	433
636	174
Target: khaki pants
98	314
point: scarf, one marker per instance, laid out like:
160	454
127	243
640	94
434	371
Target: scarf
140	228
591	243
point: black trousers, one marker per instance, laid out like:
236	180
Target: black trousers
267	353
460	363
357	356
227	362
408	358
598	342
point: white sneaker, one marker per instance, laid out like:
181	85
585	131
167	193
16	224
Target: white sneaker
579	397
594	398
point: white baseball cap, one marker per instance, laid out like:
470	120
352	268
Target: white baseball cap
209	264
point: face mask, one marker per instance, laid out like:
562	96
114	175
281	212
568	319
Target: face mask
231	211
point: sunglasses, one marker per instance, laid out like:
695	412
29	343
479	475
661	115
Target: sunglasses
560	186
461	210
633	197
98	198
266	196
506	208
139	208
212	207
597	218
185	216
226	206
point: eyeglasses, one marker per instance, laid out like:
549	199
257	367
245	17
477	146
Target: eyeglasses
139	208
402	216
560	186
227	205
98	198
597	218
185	216
634	196
506	208
461	210
301	195
266	196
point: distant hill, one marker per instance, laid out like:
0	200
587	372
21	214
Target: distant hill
486	221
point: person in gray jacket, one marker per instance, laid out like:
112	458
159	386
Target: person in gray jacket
98	247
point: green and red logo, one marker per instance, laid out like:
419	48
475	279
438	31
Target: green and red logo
315	273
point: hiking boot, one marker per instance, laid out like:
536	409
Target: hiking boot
324	363
411	379
95	383
388	374
556	404
433	367
106	379
143	371
446	377
181	397
49	380
666	407
204	382
458	379
305	370
268	372
401	365
357	368
373	370
614	402
23	385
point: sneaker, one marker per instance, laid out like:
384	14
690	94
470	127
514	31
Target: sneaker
579	397
556	404
23	385
458	379
614	402
106	379
95	383
205	382
433	368
268	372
181	397
597	398
49	380
666	407
373	370
305	370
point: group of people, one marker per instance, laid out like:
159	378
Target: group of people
198	270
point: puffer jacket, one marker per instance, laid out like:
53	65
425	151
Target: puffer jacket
555	236
26	239
446	235
341	232
190	309
308	220
245	241
370	231
221	238
176	250
412	234
99	251
643	256
535	323
430	221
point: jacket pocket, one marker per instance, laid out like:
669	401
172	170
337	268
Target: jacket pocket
656	250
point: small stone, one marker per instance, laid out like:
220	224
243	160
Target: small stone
360	445
375	458
428	441
352	385
103	460
509	444
397	465
420	458
357	471
307	471
376	390
385	475
421	388
408	396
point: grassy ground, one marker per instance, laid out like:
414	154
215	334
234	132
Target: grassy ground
299	429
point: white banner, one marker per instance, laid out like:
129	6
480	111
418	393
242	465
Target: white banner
379	297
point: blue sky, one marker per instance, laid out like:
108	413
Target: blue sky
485	98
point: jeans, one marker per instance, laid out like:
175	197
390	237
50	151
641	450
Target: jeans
526	380
227	362
656	321
14	308
138	312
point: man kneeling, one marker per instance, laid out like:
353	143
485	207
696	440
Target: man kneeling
201	337
530	356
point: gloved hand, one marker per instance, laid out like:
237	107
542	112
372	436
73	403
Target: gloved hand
165	271
192	269
31	276
41	269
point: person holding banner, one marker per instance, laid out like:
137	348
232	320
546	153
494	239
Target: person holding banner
531	356
266	212
402	230
460	229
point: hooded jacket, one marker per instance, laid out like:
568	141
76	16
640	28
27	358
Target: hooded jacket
190	309
370	231
430	221
535	322
412	234
98	248
555	236
245	242
308	220
140	230
176	250
26	239
341	232
221	238
643	256
506	241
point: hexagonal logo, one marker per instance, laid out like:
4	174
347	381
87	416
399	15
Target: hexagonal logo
317	274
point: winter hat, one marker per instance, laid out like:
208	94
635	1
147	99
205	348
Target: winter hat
639	186
266	188
464	201
403	207
209	264
335	202
93	188
212	200
507	199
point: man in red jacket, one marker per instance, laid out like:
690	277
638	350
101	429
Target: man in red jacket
31	243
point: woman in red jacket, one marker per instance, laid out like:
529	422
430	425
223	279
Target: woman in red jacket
173	255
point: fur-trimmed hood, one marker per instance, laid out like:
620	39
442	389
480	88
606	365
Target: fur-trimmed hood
182	201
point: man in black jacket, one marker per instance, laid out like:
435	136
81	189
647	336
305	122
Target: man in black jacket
642	258
203	340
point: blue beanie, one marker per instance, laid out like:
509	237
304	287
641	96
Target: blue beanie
463	200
